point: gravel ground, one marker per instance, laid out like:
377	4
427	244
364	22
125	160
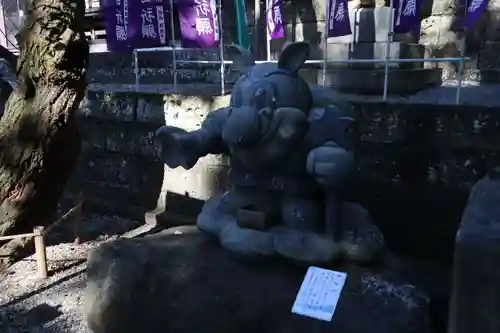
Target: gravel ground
54	305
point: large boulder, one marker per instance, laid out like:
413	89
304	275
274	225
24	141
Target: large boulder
180	280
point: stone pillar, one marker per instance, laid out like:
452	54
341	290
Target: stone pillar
475	302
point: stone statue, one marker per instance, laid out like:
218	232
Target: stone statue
290	161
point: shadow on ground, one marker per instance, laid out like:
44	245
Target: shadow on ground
20	319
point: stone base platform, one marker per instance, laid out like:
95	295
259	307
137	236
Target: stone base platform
181	281
375	50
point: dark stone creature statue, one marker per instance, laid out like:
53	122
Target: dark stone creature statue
289	162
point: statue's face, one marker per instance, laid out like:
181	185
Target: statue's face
269	106
255	102
269	86
268	117
277	133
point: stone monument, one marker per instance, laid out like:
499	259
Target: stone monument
290	161
371	31
474	302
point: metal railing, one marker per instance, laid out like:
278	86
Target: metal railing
386	60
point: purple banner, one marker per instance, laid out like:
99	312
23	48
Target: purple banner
116	16
339	23
132	24
274	19
199	23
407	15
475	8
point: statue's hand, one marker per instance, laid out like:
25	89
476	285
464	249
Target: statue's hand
330	164
174	147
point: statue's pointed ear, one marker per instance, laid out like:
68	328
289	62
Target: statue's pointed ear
293	56
241	57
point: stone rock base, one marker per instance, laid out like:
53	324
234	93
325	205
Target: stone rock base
181	281
360	240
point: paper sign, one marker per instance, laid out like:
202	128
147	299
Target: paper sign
319	293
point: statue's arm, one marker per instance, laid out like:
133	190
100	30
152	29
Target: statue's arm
209	136
330	165
179	147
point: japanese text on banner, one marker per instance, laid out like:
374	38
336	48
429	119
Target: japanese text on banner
274	18
199	23
339	23
152	23
203	24
116	14
475	9
407	15
134	24
121	20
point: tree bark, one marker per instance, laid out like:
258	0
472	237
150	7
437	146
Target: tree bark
39	140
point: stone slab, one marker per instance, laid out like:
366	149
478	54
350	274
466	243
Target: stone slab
119	106
130	138
104	68
372	81
352	51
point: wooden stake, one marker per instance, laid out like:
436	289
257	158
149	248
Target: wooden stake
41	253
77	219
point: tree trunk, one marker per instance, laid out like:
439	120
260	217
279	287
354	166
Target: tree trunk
39	140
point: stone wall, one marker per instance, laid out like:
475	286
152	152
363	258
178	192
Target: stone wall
118	163
416	161
119	168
